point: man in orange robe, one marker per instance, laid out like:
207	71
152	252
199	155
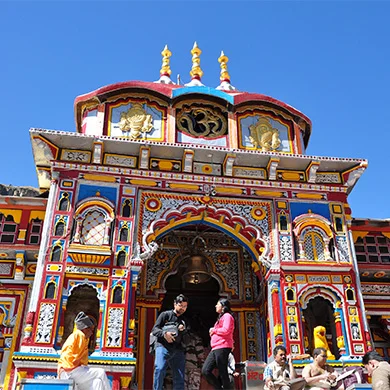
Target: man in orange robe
73	362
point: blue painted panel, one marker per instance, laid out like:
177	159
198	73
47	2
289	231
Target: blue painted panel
86	190
46	384
204	91
299	208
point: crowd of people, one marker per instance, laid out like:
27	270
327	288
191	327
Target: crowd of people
175	347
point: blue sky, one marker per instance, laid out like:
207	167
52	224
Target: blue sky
328	59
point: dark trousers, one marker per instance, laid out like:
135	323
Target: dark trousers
218	358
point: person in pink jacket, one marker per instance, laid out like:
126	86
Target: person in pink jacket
221	346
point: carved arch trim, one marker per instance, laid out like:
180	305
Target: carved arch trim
309	220
97	203
235	226
329	293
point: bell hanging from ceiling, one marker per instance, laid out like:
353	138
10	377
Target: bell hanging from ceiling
196	271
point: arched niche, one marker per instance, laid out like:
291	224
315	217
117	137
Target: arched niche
318	309
83	297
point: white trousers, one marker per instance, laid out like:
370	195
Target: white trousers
88	378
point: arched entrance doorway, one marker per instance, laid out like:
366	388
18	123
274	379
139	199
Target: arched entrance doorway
82	298
202	299
232	276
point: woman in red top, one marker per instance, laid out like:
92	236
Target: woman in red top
221	346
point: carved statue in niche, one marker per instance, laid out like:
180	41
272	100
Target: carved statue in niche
263	136
320	341
201	122
135	121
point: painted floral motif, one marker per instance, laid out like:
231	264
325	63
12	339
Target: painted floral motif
45	323
285	248
115	324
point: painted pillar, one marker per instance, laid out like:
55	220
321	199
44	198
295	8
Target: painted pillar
339	331
41	261
275	299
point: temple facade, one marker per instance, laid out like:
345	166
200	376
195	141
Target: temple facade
167	188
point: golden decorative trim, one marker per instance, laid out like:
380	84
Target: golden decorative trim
105	178
306	195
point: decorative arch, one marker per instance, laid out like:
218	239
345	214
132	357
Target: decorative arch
76	285
224	220
329	293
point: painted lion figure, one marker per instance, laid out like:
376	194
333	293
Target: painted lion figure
320	341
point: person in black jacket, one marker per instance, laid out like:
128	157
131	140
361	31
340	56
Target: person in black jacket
169	350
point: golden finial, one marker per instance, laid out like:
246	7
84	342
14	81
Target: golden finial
224	77
196	71
223	60
165	68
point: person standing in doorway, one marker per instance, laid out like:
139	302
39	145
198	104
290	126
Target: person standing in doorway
169	349
221	346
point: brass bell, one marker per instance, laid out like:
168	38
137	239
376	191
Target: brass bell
196	272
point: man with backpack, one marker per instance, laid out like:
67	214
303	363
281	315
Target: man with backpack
378	369
168	347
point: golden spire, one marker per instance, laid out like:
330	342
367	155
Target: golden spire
196	71
224	77
223	60
165	68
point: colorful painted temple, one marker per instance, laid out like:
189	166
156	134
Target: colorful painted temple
165	189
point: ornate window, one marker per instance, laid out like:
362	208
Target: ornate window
314	236
93	221
35	231
373	249
8	229
314	246
93	228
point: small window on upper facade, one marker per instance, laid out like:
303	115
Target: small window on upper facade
126	211
50	290
8	230
60	229
117	296
124	234
64	202
56	253
35	230
283	223
373	249
121	259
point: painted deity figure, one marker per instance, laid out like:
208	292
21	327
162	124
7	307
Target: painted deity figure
320	341
263	136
